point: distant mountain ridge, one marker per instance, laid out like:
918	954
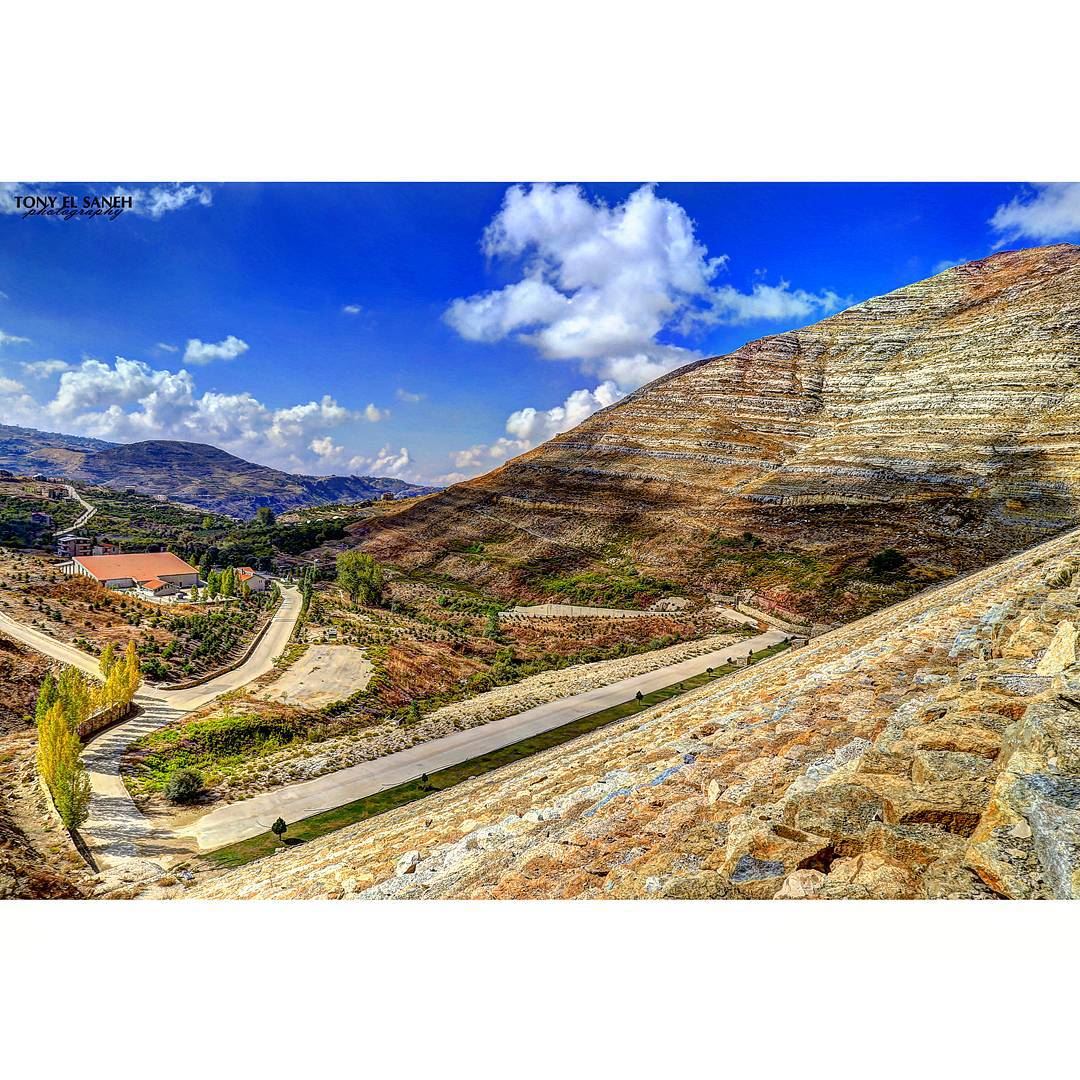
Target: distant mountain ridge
194	473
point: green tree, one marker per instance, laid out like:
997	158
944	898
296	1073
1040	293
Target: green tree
493	629
361	577
228	581
48	695
107	659
885	562
264	516
279	828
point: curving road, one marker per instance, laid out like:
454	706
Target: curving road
116	829
249	817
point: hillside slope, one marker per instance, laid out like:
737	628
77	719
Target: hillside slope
193	473
942	420
930	750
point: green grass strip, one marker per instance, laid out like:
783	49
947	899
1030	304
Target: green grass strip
256	847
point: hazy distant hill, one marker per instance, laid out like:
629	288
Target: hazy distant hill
193	473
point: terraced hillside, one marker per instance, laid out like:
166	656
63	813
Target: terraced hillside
941	420
929	750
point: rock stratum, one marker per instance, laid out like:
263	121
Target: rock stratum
930	750
942	419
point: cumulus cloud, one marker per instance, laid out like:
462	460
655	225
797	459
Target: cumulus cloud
44	369
373	414
10	386
387	462
204	352
12	339
601	285
1046	212
129	400
352	309
325	449
531	426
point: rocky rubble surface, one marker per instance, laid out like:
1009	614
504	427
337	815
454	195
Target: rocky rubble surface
931	750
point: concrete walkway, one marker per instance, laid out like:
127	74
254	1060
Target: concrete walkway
116	829
240	820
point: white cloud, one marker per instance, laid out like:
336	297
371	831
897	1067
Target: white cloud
12	339
204	352
1046	212
326	449
352	309
159	200
373	414
164	346
407	396
599	285
387	462
128	400
533	426
44	369
948	264
10	386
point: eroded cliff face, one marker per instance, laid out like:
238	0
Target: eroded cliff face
930	750
942	419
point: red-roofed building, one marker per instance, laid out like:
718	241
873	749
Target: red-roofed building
256	582
128	571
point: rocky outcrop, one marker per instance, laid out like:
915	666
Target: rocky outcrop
916	753
942	419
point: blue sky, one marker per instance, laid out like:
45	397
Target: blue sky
430	331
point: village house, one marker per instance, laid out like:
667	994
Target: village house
159	573
40	518
68	547
255	581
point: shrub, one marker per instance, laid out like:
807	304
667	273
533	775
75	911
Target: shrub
184	786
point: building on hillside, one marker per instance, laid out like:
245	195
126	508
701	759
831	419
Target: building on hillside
158	589
40	518
255	581
68	547
133	571
51	491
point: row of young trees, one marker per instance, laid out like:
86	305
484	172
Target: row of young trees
223	583
65	703
361	577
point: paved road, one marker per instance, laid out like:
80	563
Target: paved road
116	829
88	512
240	820
49	646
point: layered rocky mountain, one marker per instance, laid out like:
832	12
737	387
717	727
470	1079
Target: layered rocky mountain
193	473
942	420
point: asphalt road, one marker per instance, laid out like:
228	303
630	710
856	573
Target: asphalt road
116	829
240	820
